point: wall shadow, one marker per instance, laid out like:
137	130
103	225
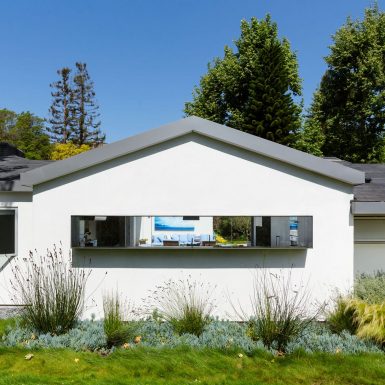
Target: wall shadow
189	259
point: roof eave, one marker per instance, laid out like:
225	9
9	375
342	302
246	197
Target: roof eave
202	127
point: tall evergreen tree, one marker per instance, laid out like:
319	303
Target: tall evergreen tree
87	123
61	120
311	137
253	88
350	105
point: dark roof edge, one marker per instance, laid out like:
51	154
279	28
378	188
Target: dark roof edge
203	127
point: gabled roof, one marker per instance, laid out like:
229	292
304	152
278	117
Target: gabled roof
199	126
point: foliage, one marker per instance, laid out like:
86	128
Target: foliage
51	290
25	131
186	304
66	150
5	325
117	327
87	125
85	335
280	310
311	138
74	116
233	228
341	318
370	287
349	105
370	319
62	119
316	339
253	88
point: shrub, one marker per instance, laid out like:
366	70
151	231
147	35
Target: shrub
186	305
117	328
319	339
341	317
86	335
280	310
51	289
370	319
370	287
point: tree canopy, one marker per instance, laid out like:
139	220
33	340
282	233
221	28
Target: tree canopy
26	131
253	87
349	107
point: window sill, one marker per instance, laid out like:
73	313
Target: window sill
190	248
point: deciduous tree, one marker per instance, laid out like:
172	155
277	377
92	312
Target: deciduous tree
350	106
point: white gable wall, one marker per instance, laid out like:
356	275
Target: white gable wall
197	176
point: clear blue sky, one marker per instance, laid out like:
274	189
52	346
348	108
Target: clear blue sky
145	56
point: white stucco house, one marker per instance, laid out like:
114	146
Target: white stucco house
148	208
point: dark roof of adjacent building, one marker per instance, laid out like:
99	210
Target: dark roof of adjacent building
12	164
373	190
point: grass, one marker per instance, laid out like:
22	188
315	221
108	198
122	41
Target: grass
186	366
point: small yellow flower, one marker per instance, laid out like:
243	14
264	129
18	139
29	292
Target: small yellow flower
137	339
240	355
126	346
28	357
76	360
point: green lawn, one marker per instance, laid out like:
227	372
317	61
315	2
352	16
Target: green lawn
186	366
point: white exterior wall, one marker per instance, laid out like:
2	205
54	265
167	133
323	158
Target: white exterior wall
226	181
22	203
369	244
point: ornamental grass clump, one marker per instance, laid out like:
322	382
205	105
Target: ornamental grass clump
185	304
341	318
280	309
117	326
51	290
370	320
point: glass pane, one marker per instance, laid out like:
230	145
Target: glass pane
7	232
192	231
99	231
293	231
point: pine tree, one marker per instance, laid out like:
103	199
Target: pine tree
253	88
62	109
87	128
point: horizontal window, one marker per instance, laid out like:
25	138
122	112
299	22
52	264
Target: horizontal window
193	231
7	232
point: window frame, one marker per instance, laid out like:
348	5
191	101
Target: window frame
138	247
15	209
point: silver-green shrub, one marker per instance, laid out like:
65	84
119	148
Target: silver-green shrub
321	340
86	335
